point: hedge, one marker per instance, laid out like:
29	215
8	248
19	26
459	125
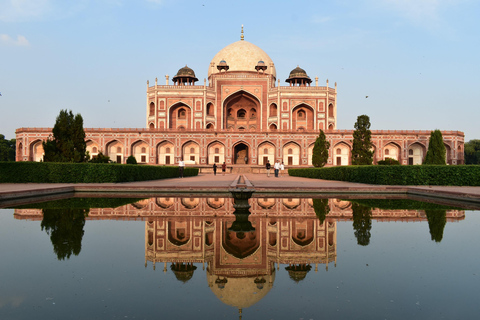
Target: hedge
52	172
401	204
439	175
81	203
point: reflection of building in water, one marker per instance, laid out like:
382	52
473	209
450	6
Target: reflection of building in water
213	207
241	265
181	232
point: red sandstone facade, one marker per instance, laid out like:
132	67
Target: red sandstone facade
242	116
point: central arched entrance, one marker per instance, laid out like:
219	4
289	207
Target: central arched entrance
240	153
240	112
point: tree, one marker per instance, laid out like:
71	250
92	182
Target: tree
321	208
320	150
7	149
68	141
362	223
131	160
436	149
65	228
362	142
472	152
99	158
437	219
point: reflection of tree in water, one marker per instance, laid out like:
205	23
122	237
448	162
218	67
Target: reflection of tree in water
437	219
183	271
362	223
321	208
298	272
65	228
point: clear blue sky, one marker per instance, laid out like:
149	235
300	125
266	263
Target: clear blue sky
416	60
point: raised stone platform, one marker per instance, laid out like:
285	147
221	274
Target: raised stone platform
209	184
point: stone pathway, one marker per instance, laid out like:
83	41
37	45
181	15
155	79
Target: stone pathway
210	184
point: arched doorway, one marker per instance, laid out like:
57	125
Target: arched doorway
240	153
240	111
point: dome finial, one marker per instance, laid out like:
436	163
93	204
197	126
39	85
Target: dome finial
242	37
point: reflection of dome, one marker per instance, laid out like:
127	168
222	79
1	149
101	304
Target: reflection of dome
298	272
183	272
241	292
243	56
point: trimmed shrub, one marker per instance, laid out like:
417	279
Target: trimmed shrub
131	160
388	162
396	175
56	172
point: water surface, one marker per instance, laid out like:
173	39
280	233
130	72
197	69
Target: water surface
300	259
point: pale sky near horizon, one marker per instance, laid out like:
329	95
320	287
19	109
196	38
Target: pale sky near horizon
416	60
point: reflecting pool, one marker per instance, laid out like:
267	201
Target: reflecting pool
258	258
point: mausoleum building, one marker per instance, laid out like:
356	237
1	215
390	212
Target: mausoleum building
241	115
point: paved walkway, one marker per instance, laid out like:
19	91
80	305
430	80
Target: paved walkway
208	184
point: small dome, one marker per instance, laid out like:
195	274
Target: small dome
261	63
298	73
222	63
185	72
184	75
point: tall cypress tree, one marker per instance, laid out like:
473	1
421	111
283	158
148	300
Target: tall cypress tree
320	150
68	141
362	223
362	142
436	149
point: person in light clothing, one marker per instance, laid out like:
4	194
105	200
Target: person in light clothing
181	167
282	167
276	167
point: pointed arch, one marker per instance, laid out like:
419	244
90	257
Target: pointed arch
165	152
140	150
341	154
215	203
92	148
273	110
416	153
215	152
191	152
36	150
392	150
115	150
448	153
164	203
239	244
179	232
291	154
303	232
266	203
291	203
237	110
241	152
303	116
266	151
310	153
180	116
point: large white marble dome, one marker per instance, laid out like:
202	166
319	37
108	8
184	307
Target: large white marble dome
242	56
